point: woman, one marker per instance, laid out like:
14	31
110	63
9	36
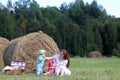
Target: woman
62	63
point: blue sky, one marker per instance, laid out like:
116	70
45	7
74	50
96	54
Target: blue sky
112	7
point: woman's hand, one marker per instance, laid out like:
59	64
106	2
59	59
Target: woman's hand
60	65
57	65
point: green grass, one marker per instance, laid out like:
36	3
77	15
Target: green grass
82	69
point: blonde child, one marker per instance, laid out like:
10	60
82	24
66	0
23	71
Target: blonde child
40	62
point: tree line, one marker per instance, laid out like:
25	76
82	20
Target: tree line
78	27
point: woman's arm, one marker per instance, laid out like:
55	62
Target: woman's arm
54	56
48	58
62	64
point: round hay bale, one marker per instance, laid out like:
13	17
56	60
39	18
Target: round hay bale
3	44
95	54
26	49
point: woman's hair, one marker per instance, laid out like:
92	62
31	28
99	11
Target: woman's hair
66	56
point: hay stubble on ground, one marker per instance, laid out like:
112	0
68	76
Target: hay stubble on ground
82	69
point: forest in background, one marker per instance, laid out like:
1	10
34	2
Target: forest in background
78	27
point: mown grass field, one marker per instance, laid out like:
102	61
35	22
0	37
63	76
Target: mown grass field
82	69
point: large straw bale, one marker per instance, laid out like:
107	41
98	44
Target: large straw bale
3	44
26	49
95	54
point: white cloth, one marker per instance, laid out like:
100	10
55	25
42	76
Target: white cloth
67	72
10	68
61	66
7	68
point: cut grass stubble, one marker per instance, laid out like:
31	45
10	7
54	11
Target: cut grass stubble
81	68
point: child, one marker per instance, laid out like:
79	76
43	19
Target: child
40	62
51	67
